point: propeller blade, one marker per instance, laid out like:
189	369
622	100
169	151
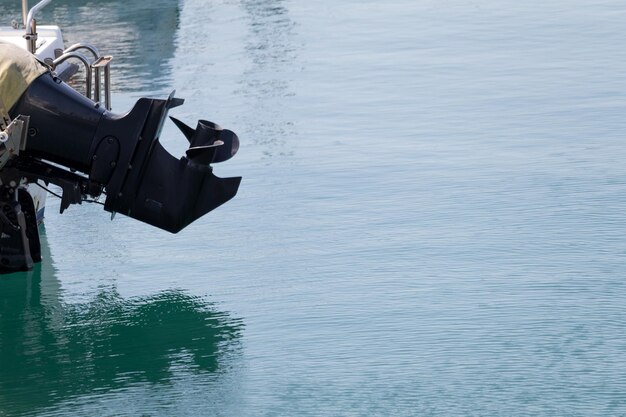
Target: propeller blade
187	131
205	136
230	148
203	155
202	133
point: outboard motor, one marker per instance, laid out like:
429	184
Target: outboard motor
66	139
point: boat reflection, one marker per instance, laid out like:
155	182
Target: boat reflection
141	36
271	50
52	351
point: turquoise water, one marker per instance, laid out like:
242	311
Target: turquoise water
431	220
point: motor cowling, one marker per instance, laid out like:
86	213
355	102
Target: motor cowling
120	154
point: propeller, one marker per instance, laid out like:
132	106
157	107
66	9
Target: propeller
208	142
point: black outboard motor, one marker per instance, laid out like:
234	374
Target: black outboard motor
120	155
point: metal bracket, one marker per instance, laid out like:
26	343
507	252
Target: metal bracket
13	139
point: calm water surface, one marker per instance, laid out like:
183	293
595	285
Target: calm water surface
431	220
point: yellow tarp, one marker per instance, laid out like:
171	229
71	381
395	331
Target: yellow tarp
18	68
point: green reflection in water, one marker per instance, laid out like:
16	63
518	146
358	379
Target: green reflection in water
51	351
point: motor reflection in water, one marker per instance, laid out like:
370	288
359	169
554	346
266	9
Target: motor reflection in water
51	351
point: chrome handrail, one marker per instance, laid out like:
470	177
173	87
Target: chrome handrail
31	13
103	63
99	65
30	24
24	11
83	45
84	60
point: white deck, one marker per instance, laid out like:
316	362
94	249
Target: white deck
49	39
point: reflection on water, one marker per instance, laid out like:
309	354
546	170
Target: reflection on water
126	30
271	52
51	351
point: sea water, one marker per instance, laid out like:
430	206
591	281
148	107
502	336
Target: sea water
431	219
